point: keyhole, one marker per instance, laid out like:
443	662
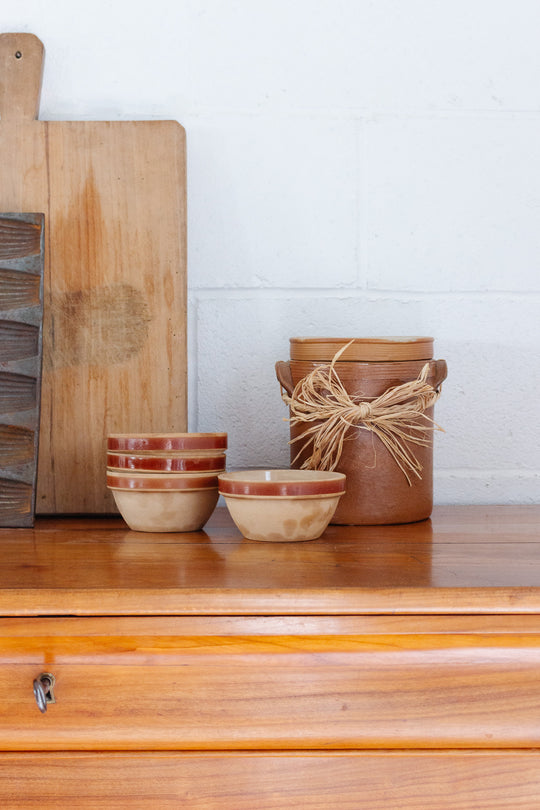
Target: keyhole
18	55
43	690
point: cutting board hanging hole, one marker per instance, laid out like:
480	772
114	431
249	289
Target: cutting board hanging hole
21	71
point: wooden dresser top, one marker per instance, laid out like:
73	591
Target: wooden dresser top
465	559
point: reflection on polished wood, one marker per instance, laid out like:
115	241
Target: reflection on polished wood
90	566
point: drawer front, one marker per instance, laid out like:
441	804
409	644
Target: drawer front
228	781
188	686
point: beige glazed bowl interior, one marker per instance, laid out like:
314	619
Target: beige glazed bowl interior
282	505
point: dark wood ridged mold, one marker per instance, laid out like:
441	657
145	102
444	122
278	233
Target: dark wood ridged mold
16	445
18	340
18	289
21	305
19	238
17	392
15	501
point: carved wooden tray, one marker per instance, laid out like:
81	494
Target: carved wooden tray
21	319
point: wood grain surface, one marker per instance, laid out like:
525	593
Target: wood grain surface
352	780
463	560
175	688
411	681
114	341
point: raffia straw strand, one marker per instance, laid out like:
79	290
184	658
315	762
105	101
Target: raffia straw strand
397	417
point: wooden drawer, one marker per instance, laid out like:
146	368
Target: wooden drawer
351	780
240	683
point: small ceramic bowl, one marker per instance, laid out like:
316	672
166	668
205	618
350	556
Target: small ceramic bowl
282	505
167	443
166	464
180	510
160	481
157	502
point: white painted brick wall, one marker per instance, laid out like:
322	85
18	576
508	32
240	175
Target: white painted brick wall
355	167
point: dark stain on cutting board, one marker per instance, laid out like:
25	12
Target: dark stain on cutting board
103	325
98	324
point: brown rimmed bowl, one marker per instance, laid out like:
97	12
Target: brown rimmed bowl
164	502
282	505
173	510
125	462
167	443
160	481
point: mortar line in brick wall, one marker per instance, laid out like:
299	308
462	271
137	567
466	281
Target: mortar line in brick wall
493	293
342	113
356	292
478	472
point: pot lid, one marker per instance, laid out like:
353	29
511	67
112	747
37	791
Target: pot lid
375	349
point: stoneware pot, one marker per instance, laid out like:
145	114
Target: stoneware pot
377	489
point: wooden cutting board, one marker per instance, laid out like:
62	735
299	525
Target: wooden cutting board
114	325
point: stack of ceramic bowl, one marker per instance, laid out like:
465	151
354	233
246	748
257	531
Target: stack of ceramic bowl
282	505
165	482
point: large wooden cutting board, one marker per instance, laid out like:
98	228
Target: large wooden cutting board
114	329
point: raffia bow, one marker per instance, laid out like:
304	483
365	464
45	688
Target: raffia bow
397	417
